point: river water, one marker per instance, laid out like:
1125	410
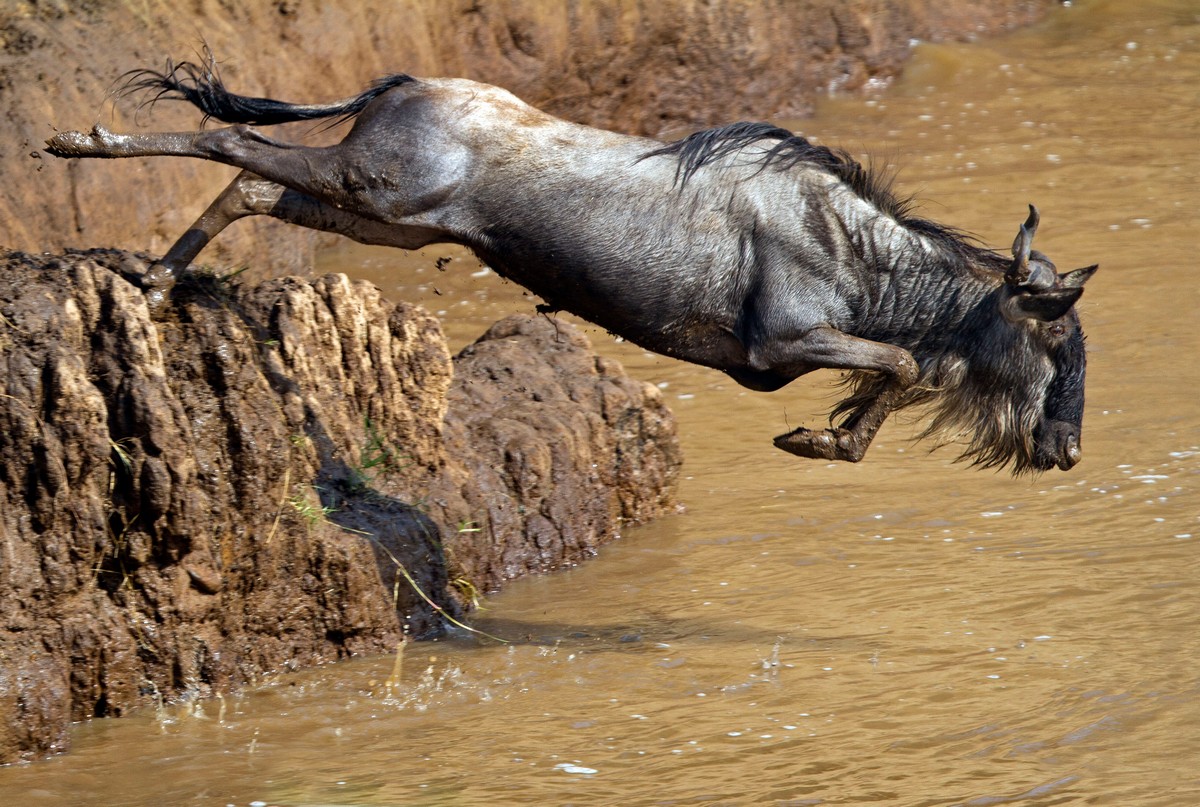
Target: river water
906	631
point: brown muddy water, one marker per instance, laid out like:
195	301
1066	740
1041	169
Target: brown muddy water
906	631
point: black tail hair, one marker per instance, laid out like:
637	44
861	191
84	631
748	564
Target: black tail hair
201	85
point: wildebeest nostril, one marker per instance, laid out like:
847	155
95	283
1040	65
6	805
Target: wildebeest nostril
1071	453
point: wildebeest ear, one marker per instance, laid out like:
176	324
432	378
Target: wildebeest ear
1045	306
1076	279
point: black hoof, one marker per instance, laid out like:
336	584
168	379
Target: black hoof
829	444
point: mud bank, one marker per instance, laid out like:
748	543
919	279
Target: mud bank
289	473
277	477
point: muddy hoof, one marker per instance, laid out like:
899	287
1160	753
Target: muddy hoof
158	281
159	276
828	444
158	301
96	143
155	279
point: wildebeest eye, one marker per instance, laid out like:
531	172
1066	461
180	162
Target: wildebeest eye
1057	330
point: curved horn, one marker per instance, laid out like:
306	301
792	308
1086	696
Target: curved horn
1039	275
1018	272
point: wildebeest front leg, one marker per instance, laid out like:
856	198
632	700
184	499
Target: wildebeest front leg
830	348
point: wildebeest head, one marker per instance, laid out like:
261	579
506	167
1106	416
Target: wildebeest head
1037	297
1011	379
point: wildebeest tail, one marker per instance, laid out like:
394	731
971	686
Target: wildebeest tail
201	85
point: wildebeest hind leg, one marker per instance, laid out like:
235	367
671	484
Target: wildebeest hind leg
829	348
251	195
317	171
247	195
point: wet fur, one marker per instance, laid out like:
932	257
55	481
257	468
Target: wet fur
867	182
981	378
994	410
996	418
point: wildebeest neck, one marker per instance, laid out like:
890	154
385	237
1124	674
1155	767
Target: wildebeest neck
918	282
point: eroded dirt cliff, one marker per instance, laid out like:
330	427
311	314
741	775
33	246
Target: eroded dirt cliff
249	484
657	67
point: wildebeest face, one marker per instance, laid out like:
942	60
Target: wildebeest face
1040	298
1057	438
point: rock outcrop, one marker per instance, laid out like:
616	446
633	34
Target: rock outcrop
276	477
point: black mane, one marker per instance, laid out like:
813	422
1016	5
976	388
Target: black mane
867	182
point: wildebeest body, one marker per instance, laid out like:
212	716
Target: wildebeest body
745	249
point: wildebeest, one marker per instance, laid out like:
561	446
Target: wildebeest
744	248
